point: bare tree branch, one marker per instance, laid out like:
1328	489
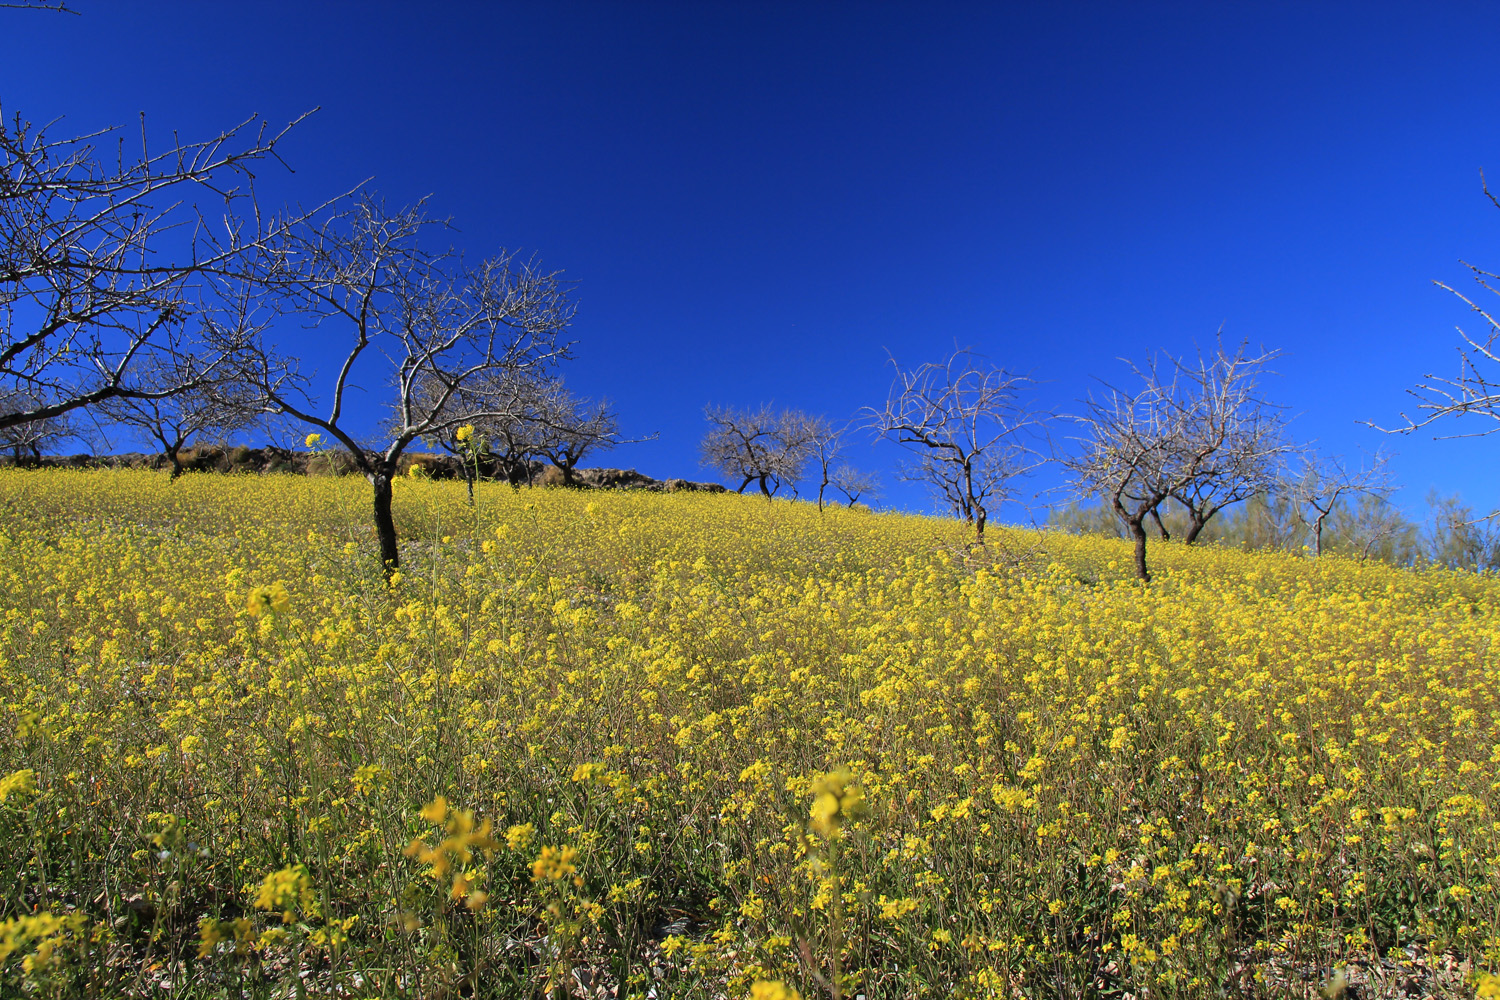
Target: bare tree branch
1316	483
967	422
1474	389
448	341
766	447
111	269
1199	432
60	6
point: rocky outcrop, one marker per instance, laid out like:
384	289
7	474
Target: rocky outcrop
629	479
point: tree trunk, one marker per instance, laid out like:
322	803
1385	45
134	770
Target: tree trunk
1166	536
764	488
176	461
979	520
1194	528
385	524
1138	532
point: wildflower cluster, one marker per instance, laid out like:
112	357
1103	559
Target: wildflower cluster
453	851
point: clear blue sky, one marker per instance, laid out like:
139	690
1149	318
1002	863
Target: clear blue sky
757	200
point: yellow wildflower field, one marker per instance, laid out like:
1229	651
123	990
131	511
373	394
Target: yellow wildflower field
610	743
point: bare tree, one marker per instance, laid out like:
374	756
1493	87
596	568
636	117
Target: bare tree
1244	464
1457	539
853	483
27	441
447	339
110	270
568	428
219	407
1374	528
762	446
968	423
1179	432
505	442
1316	483
825	442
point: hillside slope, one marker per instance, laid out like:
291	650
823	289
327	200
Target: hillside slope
579	737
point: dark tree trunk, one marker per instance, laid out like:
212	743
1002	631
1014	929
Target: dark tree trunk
1156	516
1195	527
176	461
764	488
385	523
1138	532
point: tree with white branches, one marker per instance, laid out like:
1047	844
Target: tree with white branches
446	339
969	425
1475	389
1316	483
1189	428
765	446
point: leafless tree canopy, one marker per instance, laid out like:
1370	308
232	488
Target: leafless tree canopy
220	407
825	443
449	342
117	259
568	428
26	441
1199	431
503	444
968	424
764	446
1315	483
854	483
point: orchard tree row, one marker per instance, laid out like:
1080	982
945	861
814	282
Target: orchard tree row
153	291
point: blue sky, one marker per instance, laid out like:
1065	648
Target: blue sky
758	200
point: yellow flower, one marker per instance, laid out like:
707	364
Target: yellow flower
465	432
455	849
773	991
211	932
22	782
837	799
271	599
313	440
519	837
554	864
288	890
435	811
